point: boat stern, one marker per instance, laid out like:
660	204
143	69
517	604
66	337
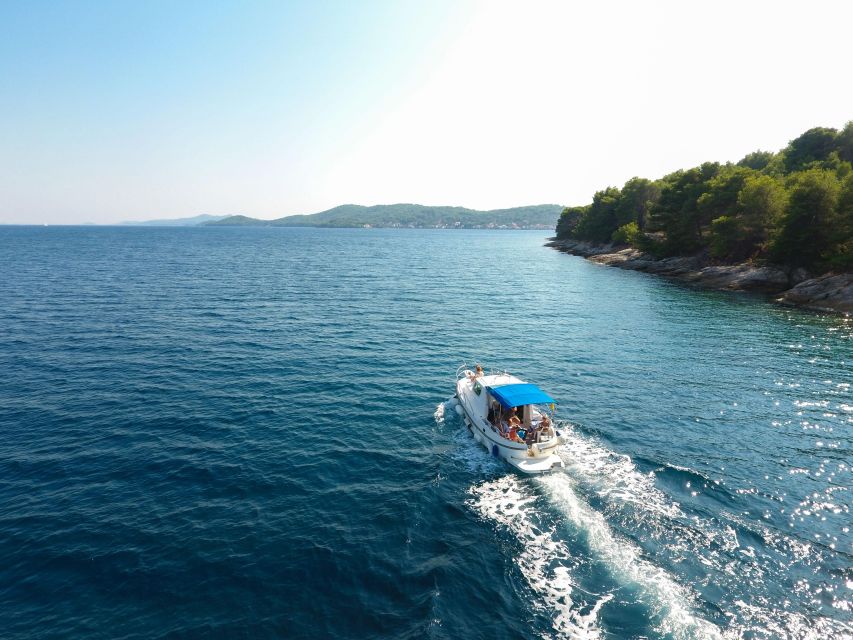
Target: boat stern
540	464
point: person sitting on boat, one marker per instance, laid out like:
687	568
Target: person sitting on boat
512	419
500	423
478	373
513	434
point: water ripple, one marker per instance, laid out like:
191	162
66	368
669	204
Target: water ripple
242	433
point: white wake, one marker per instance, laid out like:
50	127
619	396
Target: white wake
543	559
633	497
671	603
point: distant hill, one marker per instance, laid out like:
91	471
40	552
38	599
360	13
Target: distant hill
204	218
542	216
239	221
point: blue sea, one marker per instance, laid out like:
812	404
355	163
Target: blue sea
249	433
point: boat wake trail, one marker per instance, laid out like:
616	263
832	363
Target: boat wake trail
690	569
531	510
742	567
671	605
543	559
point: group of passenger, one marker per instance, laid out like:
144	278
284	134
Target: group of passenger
509	424
510	427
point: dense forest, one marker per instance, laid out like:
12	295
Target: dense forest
793	207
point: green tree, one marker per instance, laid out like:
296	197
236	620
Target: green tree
776	166
761	203
721	193
844	142
726	238
839	253
638	196
835	164
806	233
627	234
601	220
676	212
569	220
757	160
814	145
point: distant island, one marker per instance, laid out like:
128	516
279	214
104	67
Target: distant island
203	218
777	222
411	216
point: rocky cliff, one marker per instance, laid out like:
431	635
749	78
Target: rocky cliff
828	292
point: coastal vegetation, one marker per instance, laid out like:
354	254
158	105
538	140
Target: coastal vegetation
793	207
413	216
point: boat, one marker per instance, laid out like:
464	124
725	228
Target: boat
510	418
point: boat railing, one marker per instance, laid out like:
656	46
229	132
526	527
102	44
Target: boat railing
461	370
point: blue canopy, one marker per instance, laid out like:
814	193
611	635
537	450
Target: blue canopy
515	395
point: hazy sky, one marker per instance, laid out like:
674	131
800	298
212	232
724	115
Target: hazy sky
112	111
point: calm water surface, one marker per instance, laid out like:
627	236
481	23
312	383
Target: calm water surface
246	433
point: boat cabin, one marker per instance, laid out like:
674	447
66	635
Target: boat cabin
514	414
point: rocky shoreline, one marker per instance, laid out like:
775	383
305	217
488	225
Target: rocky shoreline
827	293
